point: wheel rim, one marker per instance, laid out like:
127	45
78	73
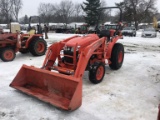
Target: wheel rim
9	55
120	57
40	47
99	73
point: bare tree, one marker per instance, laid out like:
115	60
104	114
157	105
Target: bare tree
6	8
138	10
147	10
104	14
24	20
77	12
17	6
46	11
66	9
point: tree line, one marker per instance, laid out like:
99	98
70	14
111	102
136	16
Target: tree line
138	11
134	11
64	12
9	10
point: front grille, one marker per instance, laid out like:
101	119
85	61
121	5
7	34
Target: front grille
68	59
69	53
148	34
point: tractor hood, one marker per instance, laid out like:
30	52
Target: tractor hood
82	40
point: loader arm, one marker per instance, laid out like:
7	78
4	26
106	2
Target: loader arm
53	53
86	55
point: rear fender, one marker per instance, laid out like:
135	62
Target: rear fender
32	37
110	46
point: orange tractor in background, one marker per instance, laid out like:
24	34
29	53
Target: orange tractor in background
12	42
82	29
59	80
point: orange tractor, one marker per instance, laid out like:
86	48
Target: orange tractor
59	80
12	42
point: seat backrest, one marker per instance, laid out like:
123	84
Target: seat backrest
105	33
32	32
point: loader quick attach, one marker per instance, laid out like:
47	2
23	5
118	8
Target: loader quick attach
59	80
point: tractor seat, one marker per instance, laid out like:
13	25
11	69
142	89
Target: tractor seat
30	33
105	33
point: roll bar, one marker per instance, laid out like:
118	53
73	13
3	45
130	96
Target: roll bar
120	19
30	18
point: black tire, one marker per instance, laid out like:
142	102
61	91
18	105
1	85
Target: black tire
96	73
38	47
7	54
117	56
23	51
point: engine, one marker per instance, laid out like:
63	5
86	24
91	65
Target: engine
74	47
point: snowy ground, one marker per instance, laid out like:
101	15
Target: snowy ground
131	93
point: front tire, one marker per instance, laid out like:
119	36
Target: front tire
96	73
7	54
38	47
117	56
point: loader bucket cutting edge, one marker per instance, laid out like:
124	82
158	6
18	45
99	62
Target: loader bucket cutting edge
60	90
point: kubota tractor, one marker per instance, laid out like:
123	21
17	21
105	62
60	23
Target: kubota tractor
59	80
12	42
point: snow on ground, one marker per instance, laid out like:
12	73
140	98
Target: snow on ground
130	93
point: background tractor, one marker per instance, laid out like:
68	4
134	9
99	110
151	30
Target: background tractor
12	42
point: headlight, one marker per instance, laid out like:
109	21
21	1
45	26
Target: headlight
72	49
78	47
153	34
67	48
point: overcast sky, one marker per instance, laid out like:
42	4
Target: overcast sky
30	7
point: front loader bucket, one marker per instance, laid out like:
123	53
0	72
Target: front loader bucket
60	90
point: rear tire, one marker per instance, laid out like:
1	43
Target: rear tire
7	54
38	47
96	73
117	56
